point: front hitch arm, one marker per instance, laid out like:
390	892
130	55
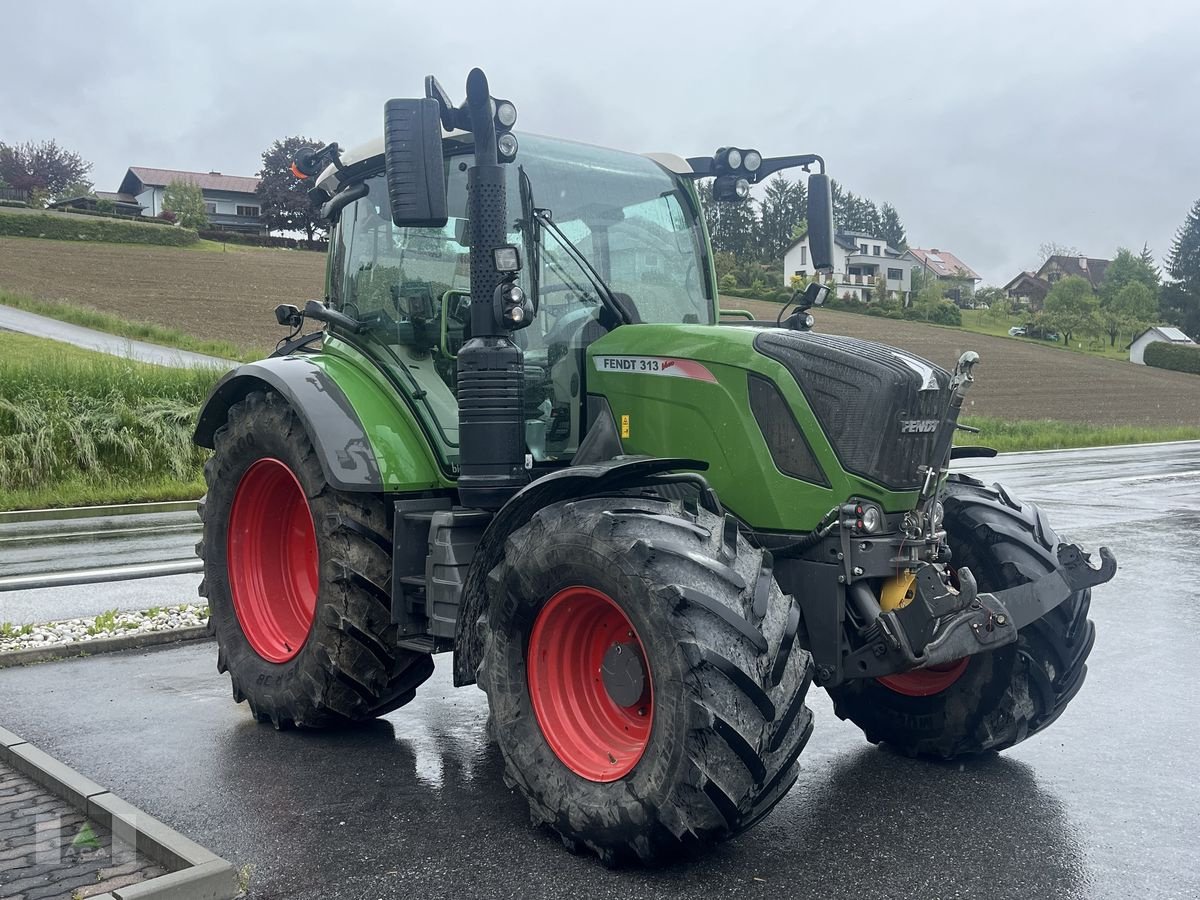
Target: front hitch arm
943	624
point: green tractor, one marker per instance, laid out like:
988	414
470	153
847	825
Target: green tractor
524	436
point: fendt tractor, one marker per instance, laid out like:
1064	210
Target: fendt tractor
521	433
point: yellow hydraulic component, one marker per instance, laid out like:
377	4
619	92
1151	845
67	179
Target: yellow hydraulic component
898	591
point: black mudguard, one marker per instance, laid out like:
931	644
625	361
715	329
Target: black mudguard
570	483
336	432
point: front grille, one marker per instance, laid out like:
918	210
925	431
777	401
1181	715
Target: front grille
869	400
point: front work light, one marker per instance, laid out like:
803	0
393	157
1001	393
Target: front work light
507	259
506	146
506	114
731	187
751	160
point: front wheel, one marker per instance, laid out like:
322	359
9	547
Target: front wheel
646	685
988	701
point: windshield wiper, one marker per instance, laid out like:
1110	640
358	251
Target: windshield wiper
615	306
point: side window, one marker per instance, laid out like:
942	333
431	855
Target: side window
649	233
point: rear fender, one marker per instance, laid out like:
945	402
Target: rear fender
340	431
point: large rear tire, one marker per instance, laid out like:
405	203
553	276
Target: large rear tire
646	686
297	578
989	701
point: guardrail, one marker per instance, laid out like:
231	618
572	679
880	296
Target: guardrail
97	544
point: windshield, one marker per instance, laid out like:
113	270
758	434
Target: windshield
635	223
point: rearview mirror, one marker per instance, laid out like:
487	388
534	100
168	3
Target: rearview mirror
820	221
412	152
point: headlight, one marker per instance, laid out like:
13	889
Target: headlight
937	514
507	146
506	114
872	519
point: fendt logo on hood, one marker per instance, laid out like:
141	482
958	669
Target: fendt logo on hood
918	426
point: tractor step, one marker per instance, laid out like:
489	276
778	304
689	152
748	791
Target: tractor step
433	545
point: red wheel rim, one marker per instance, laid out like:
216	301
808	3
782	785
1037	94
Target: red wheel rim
586	726
926	682
272	557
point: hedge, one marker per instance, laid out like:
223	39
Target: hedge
1176	357
262	240
120	217
64	227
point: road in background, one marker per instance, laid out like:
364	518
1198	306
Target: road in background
45	327
1102	805
54	541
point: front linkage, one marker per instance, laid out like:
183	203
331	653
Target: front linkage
925	612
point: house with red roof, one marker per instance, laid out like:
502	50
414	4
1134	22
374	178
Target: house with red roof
959	278
231	201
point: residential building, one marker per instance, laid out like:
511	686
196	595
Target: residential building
1028	291
1030	288
958	278
231	201
1137	349
122	204
859	262
1089	269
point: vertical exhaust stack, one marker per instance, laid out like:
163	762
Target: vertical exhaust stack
491	368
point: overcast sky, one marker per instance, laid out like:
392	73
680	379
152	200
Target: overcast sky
992	126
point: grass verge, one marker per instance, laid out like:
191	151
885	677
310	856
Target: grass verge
78	427
1008	437
87	317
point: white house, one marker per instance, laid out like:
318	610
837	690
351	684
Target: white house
1137	349
229	200
859	261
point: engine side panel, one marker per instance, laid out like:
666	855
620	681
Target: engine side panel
685	390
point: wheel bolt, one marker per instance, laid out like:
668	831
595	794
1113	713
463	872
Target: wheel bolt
641	711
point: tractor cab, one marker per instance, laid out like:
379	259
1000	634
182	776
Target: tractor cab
620	219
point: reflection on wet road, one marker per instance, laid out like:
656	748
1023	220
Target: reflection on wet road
1103	804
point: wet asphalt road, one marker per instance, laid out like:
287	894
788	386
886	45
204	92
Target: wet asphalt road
1105	803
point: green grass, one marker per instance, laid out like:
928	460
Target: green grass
981	321
78	428
140	331
1051	435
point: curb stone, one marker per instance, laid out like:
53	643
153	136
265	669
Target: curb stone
102	645
197	873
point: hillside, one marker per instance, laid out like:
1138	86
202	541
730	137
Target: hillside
231	296
211	294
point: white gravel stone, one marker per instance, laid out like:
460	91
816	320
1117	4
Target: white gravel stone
106	625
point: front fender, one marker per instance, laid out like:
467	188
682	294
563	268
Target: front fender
570	483
341	430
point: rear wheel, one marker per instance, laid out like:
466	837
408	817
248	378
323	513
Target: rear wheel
646	686
989	701
297	578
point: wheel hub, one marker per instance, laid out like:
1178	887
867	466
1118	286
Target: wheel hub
623	674
589	684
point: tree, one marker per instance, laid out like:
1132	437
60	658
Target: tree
1071	307
732	225
186	201
1052	248
1147	259
1120	308
891	228
781	210
44	169
1132	307
1184	262
1181	297
284	197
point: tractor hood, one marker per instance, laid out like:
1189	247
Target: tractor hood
880	408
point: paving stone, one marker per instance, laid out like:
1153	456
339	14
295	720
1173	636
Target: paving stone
58	859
